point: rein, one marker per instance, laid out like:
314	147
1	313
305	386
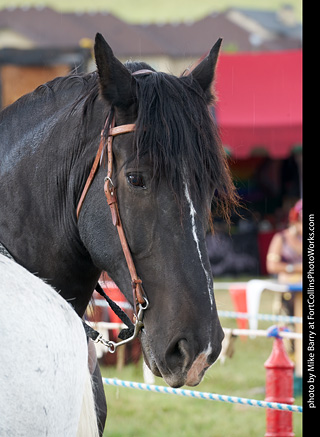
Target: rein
105	146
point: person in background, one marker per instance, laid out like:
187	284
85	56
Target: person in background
284	257
284	260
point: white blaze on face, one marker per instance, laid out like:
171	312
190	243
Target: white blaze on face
193	213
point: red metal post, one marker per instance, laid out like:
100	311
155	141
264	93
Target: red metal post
279	388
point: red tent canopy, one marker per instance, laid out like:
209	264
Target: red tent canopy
260	102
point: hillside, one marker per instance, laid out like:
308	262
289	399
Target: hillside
146	11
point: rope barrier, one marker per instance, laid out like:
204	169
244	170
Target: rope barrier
202	395
104	304
227	314
234	331
261	333
268	317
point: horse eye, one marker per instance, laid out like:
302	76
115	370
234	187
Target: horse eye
136	180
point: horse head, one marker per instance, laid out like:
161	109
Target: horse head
166	173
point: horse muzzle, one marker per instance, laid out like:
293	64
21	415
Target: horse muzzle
180	365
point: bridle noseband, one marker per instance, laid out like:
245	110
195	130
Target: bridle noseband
105	147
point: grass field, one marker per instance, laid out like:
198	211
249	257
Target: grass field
144	414
139	11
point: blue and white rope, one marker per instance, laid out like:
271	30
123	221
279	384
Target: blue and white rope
268	317
202	395
229	314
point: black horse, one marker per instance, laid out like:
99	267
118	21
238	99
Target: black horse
167	173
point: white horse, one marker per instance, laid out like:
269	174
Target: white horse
45	384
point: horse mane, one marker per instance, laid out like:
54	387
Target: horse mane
177	132
174	128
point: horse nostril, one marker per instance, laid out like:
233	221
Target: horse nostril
179	354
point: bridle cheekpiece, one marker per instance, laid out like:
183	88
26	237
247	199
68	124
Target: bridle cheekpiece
105	147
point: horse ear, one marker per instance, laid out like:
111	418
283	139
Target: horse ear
116	82
204	72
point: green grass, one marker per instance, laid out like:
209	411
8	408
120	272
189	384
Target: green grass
138	11
136	413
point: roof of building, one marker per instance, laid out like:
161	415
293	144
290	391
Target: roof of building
277	22
195	38
47	28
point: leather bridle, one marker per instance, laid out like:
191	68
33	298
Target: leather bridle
105	146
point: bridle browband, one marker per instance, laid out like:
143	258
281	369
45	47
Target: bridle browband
105	147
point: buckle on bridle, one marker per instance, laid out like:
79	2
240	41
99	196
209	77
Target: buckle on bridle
138	325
